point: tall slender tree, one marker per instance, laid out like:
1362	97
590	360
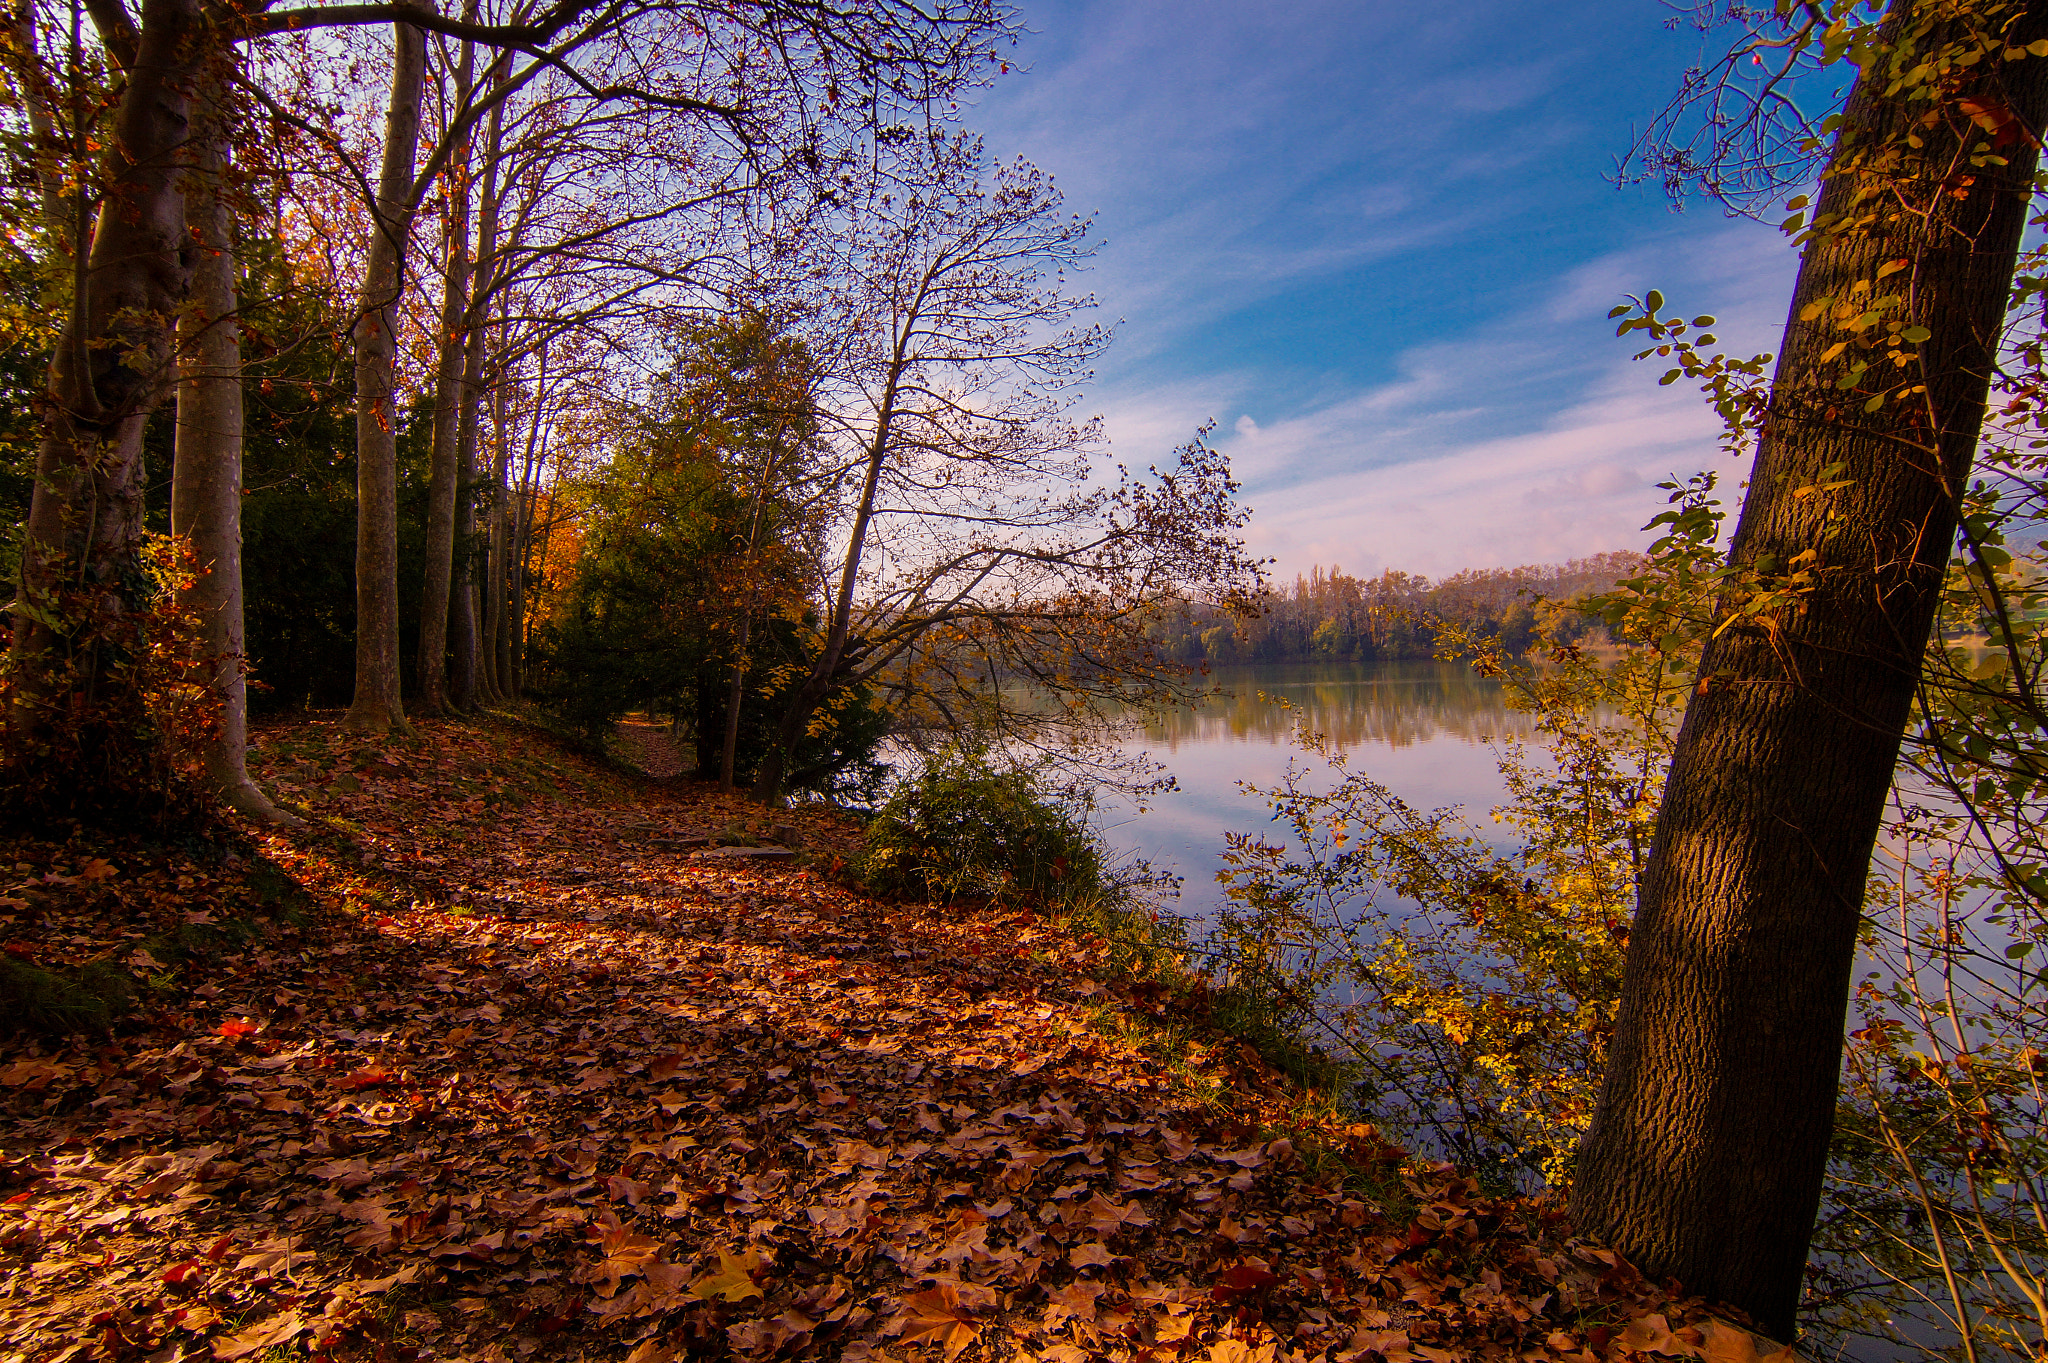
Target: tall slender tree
451	346
206	475
378	706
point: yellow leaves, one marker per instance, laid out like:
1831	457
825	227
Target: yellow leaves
732	1280
1237	1351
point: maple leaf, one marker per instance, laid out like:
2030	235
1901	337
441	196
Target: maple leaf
1077	1298
656	1350
1245	1280
1090	1255
758	1339
936	1316
625	1252
1109	1217
1237	1351
732	1280
1727	1343
277	1330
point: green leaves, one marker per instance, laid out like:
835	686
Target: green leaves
1735	387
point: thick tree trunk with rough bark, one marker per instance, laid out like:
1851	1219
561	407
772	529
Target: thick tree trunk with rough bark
81	597
1706	1155
377	707
446	474
206	476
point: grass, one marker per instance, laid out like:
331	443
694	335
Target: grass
92	996
85	998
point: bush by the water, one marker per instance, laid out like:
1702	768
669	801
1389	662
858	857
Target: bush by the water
967	829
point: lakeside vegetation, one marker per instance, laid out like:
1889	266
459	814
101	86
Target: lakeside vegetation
1329	616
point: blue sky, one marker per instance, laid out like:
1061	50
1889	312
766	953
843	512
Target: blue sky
1373	242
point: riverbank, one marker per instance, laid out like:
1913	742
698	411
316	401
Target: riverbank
495	1061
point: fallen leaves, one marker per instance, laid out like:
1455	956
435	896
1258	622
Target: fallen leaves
937	1316
527	1083
732	1280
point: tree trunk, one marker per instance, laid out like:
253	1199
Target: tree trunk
377	707
728	755
206	476
824	675
464	679
79	609
446	474
521	533
1706	1154
494	554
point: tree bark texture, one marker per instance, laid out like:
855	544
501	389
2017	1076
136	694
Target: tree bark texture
463	642
445	476
494	555
377	707
82	594
466	683
1706	1154
206	475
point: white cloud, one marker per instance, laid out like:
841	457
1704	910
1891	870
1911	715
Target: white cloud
1532	438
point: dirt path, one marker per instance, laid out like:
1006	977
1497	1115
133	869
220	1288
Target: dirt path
652	748
528	1085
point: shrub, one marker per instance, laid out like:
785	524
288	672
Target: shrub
965	828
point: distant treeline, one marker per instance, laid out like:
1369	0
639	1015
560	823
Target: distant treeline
1329	615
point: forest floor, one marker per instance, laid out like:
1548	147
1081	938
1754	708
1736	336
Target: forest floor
489	1063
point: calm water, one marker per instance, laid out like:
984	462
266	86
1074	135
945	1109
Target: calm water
1421	728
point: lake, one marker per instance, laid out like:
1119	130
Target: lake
1421	728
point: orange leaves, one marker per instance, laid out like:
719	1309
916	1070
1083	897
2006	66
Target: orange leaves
281	1329
936	1316
1995	117
733	1279
910	1148
625	1253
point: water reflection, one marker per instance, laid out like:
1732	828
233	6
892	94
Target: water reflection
1394	704
1422	728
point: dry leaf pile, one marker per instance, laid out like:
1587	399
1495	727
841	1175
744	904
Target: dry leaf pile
527	1084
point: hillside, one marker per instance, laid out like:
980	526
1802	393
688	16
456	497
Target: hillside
491	1063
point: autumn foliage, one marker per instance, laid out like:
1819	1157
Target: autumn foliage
495	1065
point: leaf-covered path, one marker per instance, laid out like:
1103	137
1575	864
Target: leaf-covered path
532	1078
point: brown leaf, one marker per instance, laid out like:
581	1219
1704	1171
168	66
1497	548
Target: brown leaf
277	1330
935	1316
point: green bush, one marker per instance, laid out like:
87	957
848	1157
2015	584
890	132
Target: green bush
967	829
